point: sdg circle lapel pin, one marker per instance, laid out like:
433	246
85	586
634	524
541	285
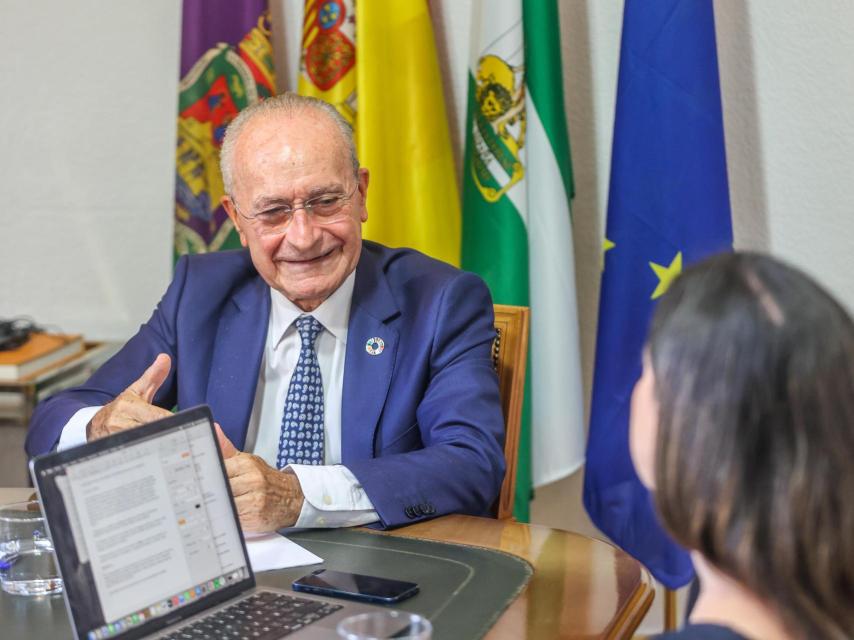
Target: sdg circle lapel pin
374	346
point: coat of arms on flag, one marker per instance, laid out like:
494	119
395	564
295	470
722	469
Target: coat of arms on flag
498	130
223	80
327	66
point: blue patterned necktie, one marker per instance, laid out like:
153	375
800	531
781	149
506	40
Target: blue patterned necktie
301	439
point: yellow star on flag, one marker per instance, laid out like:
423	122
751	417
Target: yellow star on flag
666	275
607	245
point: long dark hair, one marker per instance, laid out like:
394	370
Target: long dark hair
754	370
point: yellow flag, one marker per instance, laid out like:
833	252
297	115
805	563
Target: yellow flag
401	125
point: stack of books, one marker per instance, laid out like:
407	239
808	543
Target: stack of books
40	367
40	352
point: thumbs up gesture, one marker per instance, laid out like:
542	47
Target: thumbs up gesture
132	407
225	445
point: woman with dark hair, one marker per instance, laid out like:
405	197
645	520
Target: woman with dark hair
743	426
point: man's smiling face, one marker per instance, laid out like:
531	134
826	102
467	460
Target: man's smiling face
287	159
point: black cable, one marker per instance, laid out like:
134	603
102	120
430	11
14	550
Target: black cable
16	331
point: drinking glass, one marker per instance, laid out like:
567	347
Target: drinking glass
27	562
380	625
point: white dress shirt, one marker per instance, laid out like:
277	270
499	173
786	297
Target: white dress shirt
333	496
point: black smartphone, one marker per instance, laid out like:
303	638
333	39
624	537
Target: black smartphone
355	586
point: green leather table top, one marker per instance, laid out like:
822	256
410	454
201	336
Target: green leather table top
463	589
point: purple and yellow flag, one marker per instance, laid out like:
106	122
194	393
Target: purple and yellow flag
226	65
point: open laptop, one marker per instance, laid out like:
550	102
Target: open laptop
149	544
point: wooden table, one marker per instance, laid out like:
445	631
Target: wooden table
581	587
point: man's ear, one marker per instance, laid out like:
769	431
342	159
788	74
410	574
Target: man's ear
364	179
236	220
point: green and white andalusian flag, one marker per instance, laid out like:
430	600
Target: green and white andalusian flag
517	232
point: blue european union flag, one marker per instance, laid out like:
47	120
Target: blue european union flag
668	206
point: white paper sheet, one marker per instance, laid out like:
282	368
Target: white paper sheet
268	551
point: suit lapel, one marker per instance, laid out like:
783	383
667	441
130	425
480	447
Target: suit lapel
236	361
367	376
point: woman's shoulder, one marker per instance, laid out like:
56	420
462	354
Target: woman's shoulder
701	632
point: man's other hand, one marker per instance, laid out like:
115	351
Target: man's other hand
266	499
132	407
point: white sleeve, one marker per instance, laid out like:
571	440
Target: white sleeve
74	431
333	497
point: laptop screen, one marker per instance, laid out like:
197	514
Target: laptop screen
144	529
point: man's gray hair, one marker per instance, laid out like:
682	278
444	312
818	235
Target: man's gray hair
285	104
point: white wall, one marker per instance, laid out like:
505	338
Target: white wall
87	114
786	73
88	96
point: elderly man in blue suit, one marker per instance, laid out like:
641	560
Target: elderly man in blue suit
353	383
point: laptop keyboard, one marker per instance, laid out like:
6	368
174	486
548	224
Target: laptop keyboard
261	616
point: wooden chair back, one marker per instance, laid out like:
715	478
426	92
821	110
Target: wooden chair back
510	358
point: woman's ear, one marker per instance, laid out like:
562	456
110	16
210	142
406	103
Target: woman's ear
643	424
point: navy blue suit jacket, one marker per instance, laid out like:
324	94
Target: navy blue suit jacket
422	427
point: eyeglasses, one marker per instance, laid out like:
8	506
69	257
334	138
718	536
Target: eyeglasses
327	208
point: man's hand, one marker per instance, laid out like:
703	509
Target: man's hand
132	407
225	445
266	499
